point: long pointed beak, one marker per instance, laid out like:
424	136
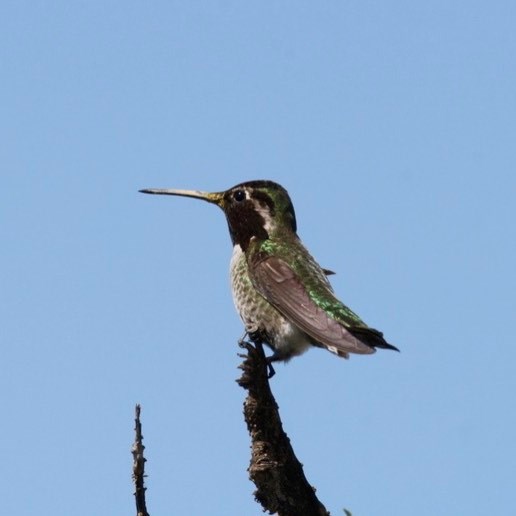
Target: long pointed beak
212	197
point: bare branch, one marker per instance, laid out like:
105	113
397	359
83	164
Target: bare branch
139	467
281	485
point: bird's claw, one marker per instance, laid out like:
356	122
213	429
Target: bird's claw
256	339
242	342
270	370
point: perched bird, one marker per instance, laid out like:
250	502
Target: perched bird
281	293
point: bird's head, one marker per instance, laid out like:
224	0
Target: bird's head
258	209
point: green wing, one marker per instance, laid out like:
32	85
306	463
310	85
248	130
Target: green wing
311	304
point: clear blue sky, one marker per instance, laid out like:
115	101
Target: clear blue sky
392	125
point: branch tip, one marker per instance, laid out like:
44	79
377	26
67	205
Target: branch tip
281	486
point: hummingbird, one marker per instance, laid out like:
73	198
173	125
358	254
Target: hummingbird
282	294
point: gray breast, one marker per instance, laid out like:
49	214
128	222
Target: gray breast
258	314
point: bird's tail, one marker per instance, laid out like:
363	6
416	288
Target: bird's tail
371	337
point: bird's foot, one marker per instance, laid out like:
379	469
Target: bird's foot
256	338
270	370
242	340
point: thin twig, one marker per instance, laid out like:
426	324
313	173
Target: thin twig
139	467
281	485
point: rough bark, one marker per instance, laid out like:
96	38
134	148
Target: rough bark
281	485
139	467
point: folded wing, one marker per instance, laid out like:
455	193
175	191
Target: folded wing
278	283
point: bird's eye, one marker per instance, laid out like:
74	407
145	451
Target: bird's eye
239	195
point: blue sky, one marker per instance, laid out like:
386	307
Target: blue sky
391	124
